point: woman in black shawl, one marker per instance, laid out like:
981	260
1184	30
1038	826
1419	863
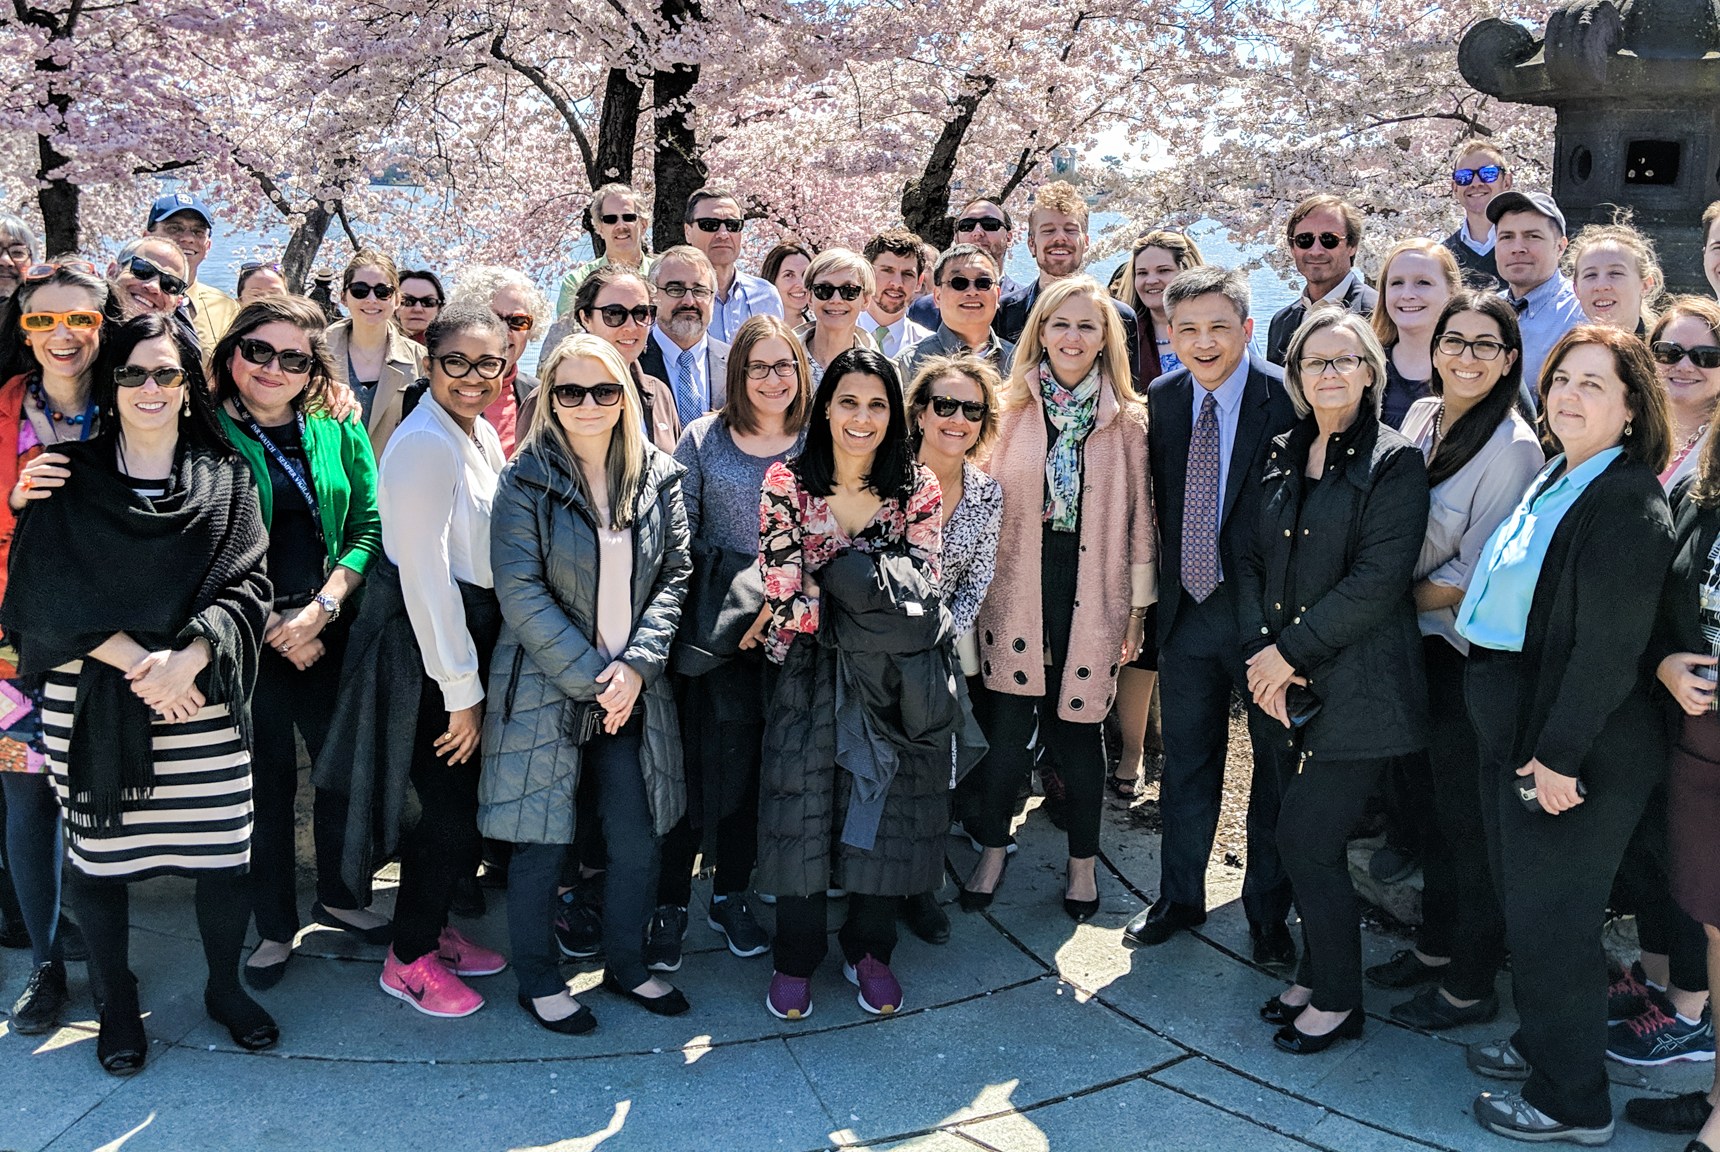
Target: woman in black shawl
137	593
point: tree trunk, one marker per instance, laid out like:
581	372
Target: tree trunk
305	243
617	133
58	198
926	199
676	163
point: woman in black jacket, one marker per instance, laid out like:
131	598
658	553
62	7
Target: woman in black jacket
1334	652
1571	741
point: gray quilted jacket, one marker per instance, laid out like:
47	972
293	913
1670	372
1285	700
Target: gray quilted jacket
543	549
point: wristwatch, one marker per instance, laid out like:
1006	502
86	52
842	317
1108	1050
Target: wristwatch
328	604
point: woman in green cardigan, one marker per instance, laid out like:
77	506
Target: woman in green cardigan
316	482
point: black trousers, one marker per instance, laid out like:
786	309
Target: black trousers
103	910
1200	668
1645	883
1323	802
1555	874
802	939
736	854
1077	751
443	844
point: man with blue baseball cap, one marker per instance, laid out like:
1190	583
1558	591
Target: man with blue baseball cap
183	219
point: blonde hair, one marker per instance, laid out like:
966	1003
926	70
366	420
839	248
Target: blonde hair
1059	196
976	369
1327	315
624	467
1182	248
1621	234
1384	326
1023	383
841	260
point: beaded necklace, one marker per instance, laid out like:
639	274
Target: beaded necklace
81	421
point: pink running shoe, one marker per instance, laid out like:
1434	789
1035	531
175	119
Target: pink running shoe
880	994
464	958
790	997
428	986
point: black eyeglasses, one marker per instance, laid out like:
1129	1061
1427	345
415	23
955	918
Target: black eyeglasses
363	290
1701	355
131	376
758	369
963	283
573	395
849	292
1315	366
1305	240
711	224
459	367
260	353
145	270
973	411
420	301
1464	177
615	315
675	290
1451	344
983	223
629	217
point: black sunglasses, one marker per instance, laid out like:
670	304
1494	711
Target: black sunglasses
1305	240
618	217
615	315
963	283
258	266
1702	355
260	352
711	224
459	367
420	301
984	223
144	270
362	290
1464	177
849	292
131	376
973	411
573	395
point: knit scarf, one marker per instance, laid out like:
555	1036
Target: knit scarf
1071	412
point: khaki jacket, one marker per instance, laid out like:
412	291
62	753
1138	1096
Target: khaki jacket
212	313
405	363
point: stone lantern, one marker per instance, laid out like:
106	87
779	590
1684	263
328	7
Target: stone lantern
1635	86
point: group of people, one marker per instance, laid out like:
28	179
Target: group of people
776	574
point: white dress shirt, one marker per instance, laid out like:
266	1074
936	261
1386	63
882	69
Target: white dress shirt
895	338
701	371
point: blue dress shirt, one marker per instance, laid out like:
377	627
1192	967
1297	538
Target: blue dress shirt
1550	310
748	296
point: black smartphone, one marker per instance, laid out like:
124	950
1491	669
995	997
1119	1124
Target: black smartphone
1527	793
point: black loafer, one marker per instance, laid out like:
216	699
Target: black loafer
381	934
671	1003
1403	970
1164	919
925	918
1430	1011
1274	947
1680	1115
1280	1014
1293	1040
578	1024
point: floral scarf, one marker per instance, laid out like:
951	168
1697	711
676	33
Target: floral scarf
1071	412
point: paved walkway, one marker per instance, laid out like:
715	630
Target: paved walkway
1024	1033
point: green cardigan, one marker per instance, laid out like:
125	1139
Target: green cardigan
343	475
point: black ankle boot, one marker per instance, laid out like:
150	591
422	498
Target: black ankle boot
250	1025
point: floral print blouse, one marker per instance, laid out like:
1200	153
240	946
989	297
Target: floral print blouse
799	535
970	546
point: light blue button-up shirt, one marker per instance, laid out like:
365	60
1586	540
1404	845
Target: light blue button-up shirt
748	296
1495	610
1552	311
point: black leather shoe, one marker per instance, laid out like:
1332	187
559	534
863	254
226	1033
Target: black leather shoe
1280	1014
1274	947
1679	1115
925	919
1403	970
671	1003
38	1008
1430	1011
381	934
1161	921
263	977
1298	1043
578	1024
972	901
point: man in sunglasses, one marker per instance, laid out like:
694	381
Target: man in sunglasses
985	224
1478	174
896	267
149	275
184	220
966	287
1530	232
681	350
1324	233
617	218
713	223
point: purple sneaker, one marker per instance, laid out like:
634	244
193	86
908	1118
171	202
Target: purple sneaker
880	994
789	998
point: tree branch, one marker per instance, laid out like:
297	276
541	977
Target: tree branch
563	106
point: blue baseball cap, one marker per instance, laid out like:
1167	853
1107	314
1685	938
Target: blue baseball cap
174	203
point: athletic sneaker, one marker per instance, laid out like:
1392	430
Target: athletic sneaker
464	958
1510	1115
789	998
428	986
731	916
579	922
1628	993
663	938
1654	1037
880	993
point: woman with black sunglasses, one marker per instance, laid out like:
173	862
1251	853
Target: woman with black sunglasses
614	304
1685	344
368	353
421	298
841	285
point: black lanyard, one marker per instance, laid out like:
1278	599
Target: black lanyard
299	479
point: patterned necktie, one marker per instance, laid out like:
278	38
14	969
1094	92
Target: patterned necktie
1200	505
686	400
1522	305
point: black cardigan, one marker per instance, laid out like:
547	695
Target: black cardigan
1678	625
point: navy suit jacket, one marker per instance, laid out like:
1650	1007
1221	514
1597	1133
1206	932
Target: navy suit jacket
1266	412
716	366
1011	319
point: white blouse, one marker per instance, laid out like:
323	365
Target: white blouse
434	492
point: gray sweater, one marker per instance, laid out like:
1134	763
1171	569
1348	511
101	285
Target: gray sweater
722	485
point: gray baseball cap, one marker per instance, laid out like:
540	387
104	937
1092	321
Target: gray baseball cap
1537	202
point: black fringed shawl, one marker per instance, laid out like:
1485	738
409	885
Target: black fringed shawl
95	559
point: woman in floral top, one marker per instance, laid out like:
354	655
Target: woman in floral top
854	486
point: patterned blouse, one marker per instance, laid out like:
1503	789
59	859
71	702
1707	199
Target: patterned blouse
970	546
798	534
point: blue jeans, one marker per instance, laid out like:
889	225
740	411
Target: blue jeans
33	854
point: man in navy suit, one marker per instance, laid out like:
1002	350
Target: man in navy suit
680	351
1209	428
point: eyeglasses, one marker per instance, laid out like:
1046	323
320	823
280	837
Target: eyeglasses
973	411
1702	355
629	217
674	289
363	290
983	223
16	253
963	283
1451	344
516	321
145	270
1305	240
80	320
849	292
711	224
1464	177
615	315
38	272
573	395
459	367
292	361
420	301
131	376
1317	366
758	369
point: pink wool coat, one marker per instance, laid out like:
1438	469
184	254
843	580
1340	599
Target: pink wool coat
1116	569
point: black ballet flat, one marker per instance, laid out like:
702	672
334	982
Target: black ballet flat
1298	1043
379	935
263	977
671	1003
578	1024
122	1046
972	901
1280	1014
246	1021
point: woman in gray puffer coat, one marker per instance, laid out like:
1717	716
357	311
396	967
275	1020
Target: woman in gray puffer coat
590	549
